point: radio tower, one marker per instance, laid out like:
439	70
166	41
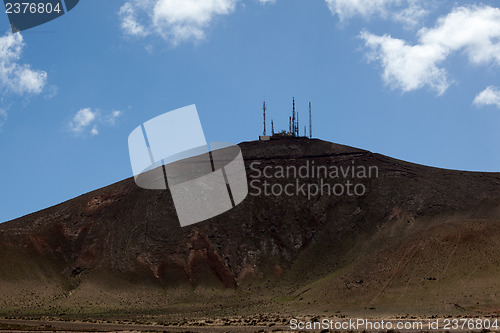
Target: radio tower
272	127
297	125
264	109
310	122
293	129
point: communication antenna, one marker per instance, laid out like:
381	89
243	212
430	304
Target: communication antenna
293	118
290	125
305	133
297	125
272	127
310	122
264	109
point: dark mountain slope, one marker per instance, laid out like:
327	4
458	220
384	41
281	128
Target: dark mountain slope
420	239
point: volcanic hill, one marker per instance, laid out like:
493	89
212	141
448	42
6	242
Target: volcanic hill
419	240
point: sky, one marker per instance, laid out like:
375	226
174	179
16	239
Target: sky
416	80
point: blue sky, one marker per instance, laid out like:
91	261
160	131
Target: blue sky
416	80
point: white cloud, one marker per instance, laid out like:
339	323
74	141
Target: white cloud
346	9
489	96
16	77
264	2
413	13
175	20
407	11
111	118
82	119
89	120
130	23
116	114
474	30
405	66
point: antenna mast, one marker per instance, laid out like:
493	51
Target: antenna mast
297	125
310	122
264	109
272	127
293	129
